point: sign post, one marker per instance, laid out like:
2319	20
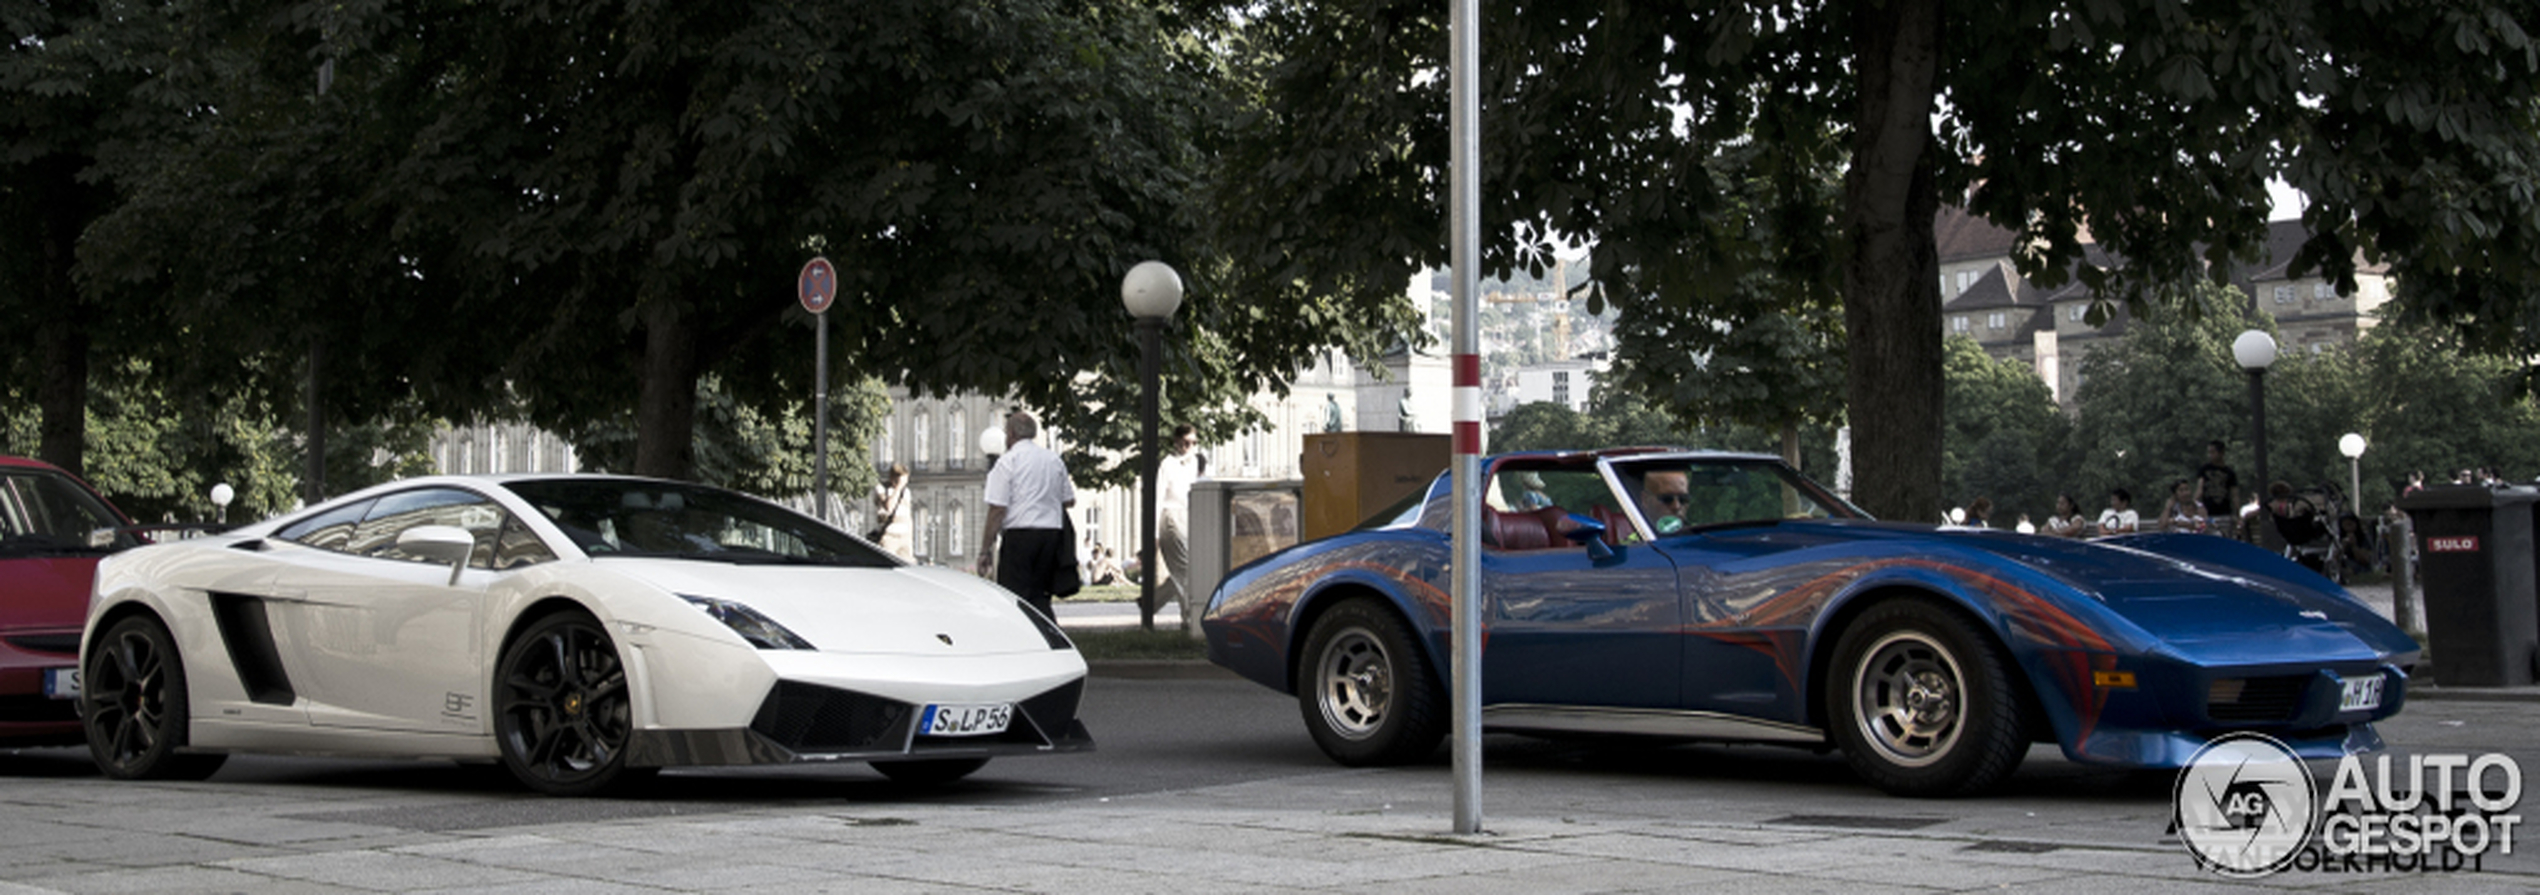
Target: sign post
817	287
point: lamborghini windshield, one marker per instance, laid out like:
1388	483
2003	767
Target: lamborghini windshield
644	518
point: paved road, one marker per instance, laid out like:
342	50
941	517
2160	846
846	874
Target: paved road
1188	766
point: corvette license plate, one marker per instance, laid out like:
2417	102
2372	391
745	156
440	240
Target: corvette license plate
2362	694
965	720
61	683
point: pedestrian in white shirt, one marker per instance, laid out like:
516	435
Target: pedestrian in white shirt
1025	534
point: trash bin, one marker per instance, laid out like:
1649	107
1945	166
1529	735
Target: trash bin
2482	611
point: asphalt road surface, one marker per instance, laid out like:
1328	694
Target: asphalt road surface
1201	742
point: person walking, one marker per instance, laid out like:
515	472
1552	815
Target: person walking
891	528
1025	535
1173	477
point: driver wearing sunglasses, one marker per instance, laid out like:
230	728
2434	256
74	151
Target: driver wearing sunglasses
1664	497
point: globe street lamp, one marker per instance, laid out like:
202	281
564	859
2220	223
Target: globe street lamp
2352	445
222	494
1152	292
2255	350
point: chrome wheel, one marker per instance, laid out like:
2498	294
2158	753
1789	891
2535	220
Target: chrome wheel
1908	698
561	711
1365	687
1356	684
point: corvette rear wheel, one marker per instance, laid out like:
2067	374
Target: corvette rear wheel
930	771
1367	692
133	705
1923	704
561	710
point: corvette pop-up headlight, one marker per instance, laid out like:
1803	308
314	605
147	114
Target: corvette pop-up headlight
759	630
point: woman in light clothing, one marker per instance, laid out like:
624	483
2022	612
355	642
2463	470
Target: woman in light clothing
890	514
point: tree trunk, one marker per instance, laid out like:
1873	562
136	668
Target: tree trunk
1891	292
61	387
62	391
666	412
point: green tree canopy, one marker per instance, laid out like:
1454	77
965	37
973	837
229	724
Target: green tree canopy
2152	126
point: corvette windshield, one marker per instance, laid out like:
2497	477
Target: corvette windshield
639	518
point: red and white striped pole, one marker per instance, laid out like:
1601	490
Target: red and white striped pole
1464	121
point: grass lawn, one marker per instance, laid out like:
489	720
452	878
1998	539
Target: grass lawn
1132	643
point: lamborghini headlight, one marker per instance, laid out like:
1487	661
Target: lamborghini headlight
759	630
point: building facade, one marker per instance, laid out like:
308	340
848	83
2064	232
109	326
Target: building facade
1984	298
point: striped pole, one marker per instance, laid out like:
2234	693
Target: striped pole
1465	232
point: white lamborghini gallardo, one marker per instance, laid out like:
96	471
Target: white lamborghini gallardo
582	630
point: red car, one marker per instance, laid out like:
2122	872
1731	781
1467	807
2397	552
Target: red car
53	529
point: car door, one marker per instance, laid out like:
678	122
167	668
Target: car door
1747	610
377	639
1568	625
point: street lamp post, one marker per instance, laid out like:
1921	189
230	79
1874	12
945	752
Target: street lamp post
2352	445
2255	350
1152	292
222	494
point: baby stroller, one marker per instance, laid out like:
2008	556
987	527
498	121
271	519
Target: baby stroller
2307	520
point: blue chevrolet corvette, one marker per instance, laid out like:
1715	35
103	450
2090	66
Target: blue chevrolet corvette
1725	597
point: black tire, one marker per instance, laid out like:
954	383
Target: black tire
1922	702
930	771
1367	691
133	705
562	715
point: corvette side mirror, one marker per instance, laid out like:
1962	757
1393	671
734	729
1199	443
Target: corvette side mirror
439	543
1586	530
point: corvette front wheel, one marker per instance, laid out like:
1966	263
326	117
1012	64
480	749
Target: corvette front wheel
1922	703
133	705
1367	692
561	711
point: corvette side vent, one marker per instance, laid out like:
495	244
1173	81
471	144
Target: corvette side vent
810	718
2255	699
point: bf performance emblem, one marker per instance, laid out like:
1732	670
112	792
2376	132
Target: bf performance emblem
946	638
2245	805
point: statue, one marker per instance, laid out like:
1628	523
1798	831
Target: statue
1409	422
1331	412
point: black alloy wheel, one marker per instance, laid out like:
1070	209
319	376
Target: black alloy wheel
133	705
562	715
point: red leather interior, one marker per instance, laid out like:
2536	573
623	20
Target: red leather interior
1522	531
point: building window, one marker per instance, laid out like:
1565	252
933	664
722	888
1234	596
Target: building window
1966	278
921	532
924	422
1561	387
2284	295
953	527
882	451
954	444
1944	286
1996	320
2079	313
1958	324
2323	291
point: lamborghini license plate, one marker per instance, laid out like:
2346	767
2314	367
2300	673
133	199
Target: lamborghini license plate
965	720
